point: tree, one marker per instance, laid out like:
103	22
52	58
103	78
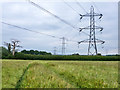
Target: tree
24	51
75	54
31	51
3	52
8	46
35	52
15	43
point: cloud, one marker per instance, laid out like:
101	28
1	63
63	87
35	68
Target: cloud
26	15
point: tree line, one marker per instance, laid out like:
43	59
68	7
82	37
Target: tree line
11	49
5	52
11	52
42	55
35	52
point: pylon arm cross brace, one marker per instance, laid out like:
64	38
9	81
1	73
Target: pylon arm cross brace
96	27
88	15
87	41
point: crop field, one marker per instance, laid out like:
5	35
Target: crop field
59	74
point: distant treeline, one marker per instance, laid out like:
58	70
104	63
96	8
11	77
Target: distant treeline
5	53
39	55
35	52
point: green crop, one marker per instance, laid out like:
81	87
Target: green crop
59	74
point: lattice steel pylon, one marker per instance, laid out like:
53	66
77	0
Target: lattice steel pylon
92	48
63	45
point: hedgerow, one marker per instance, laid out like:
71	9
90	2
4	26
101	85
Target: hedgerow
61	57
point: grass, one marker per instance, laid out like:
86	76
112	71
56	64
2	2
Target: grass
11	72
59	74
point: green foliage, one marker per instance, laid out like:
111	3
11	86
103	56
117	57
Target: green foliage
62	57
4	52
59	74
75	54
99	54
41	55
35	52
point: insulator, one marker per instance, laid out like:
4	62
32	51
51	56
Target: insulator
80	29
103	42
101	29
81	16
100	16
79	43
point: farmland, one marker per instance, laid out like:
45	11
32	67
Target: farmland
59	74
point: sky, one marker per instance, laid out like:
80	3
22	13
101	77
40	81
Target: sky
26	15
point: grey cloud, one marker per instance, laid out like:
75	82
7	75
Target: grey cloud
26	15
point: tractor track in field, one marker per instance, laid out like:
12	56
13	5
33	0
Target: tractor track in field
62	77
57	74
44	65
21	78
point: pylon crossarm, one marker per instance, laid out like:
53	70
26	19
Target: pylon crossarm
96	27
97	14
102	42
84	28
89	14
85	41
86	15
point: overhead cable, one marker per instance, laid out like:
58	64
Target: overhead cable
80	6
38	6
26	29
71	7
51	14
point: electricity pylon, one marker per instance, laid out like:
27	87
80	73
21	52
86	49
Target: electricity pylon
55	50
92	48
63	45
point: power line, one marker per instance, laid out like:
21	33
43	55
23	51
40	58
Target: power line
63	38
71	7
30	30
80	14
80	6
55	16
76	10
95	6
26	29
51	14
45	33
97	10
